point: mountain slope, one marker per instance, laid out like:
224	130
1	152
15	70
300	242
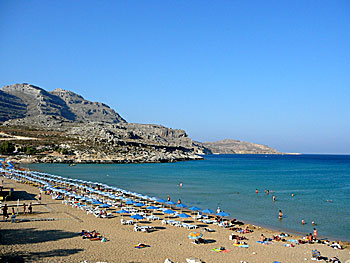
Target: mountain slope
65	105
11	107
85	110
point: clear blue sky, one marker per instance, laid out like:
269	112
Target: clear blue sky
270	72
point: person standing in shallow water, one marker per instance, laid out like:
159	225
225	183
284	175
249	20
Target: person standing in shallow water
315	233
280	214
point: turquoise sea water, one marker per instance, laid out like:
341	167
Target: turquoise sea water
229	181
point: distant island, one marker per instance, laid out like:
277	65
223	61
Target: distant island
62	127
229	146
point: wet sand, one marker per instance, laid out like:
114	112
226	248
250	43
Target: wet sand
59	240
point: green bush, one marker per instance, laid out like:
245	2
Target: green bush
6	147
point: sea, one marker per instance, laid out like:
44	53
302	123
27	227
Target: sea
320	184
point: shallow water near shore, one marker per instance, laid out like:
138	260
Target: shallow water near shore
320	183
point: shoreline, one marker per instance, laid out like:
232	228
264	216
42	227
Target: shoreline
168	241
254	223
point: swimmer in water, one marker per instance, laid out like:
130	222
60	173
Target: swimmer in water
303	222
280	214
292	195
256	191
274	198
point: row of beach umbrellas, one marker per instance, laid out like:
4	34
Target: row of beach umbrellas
46	180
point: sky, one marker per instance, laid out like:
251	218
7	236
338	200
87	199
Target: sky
269	72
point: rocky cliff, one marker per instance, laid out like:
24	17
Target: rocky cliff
229	146
64	105
67	128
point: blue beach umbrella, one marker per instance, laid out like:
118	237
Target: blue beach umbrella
105	206
223	214
139	204
160	200
207	211
168	211
170	203
123	211
183	215
96	203
181	205
151	207
137	217
195	208
129	202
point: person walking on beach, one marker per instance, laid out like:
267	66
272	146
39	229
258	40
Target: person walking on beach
218	210
168	198
39	198
280	214
179	201
30	208
24	208
4	212
13	216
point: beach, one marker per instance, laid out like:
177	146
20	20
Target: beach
59	240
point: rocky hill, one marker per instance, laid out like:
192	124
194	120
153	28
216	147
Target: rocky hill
59	103
11	107
229	146
65	127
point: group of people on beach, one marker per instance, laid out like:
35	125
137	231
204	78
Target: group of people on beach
5	214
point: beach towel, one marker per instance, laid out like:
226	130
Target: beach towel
293	240
220	249
289	245
264	242
241	245
95	238
141	246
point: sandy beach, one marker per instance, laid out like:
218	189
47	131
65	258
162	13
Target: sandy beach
59	240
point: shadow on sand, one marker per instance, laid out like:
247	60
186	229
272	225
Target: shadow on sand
22	195
32	236
23	256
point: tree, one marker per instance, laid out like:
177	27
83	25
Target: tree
6	147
